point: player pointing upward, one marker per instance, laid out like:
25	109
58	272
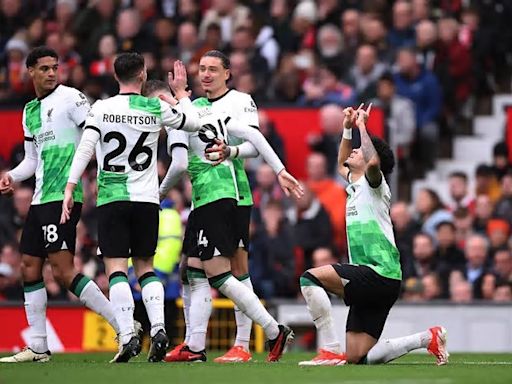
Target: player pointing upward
370	283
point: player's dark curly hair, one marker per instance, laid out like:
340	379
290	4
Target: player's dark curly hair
128	65
39	52
387	159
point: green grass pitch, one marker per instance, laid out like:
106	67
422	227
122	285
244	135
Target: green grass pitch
415	368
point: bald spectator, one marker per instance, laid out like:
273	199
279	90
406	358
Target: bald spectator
328	141
331	195
366	72
229	14
422	87
503	264
402	32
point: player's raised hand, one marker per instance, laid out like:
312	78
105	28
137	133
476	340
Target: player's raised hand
6	184
178	80
362	115
289	184
350	117
218	153
67	205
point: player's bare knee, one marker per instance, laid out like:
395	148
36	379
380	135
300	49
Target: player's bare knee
30	269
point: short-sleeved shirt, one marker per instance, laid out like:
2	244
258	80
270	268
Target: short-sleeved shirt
369	229
129	126
209	183
54	124
240	106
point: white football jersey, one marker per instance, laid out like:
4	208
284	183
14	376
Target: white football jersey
53	123
129	127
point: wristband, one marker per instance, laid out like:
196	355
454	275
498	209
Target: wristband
233	154
347	133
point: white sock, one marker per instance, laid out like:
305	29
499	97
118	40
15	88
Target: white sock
319	306
243	322
92	297
122	302
153	298
185	295
35	310
200	309
248	302
391	349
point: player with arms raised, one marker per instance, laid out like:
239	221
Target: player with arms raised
126	128
52	126
370	283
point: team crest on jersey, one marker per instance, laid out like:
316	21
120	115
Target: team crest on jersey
49	115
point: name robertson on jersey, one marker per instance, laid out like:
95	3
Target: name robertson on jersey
129	119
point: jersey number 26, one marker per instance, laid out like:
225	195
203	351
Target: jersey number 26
132	157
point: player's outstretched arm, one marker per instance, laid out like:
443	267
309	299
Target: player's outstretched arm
373	173
179	164
23	171
289	184
346	140
82	157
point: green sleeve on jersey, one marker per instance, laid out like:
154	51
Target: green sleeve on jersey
56	165
112	187
201	102
369	246
33	116
150	105
242	182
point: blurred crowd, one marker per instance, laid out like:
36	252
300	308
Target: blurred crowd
425	64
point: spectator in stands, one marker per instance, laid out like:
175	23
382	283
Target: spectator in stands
375	33
165	33
463	222
449	257
329	193
453	66
420	10
280	16
313	227
402	32
11	19
461	292
330	48
22	200
130	35
488	286
268	129
351	30
229	14
412	290
500	160
431	287
459	192
188	42
483	212
16	79
404	228
272	259
503	207
324	256
98	18
243	40
328	141
400	121
423	257
10	284
503	264
486	183
363	76
266	189
303	22
430	211
475	252
426	39
422	87
503	292
107	51
264	41
323	87
498	231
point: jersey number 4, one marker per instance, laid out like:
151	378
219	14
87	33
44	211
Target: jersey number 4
132	157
